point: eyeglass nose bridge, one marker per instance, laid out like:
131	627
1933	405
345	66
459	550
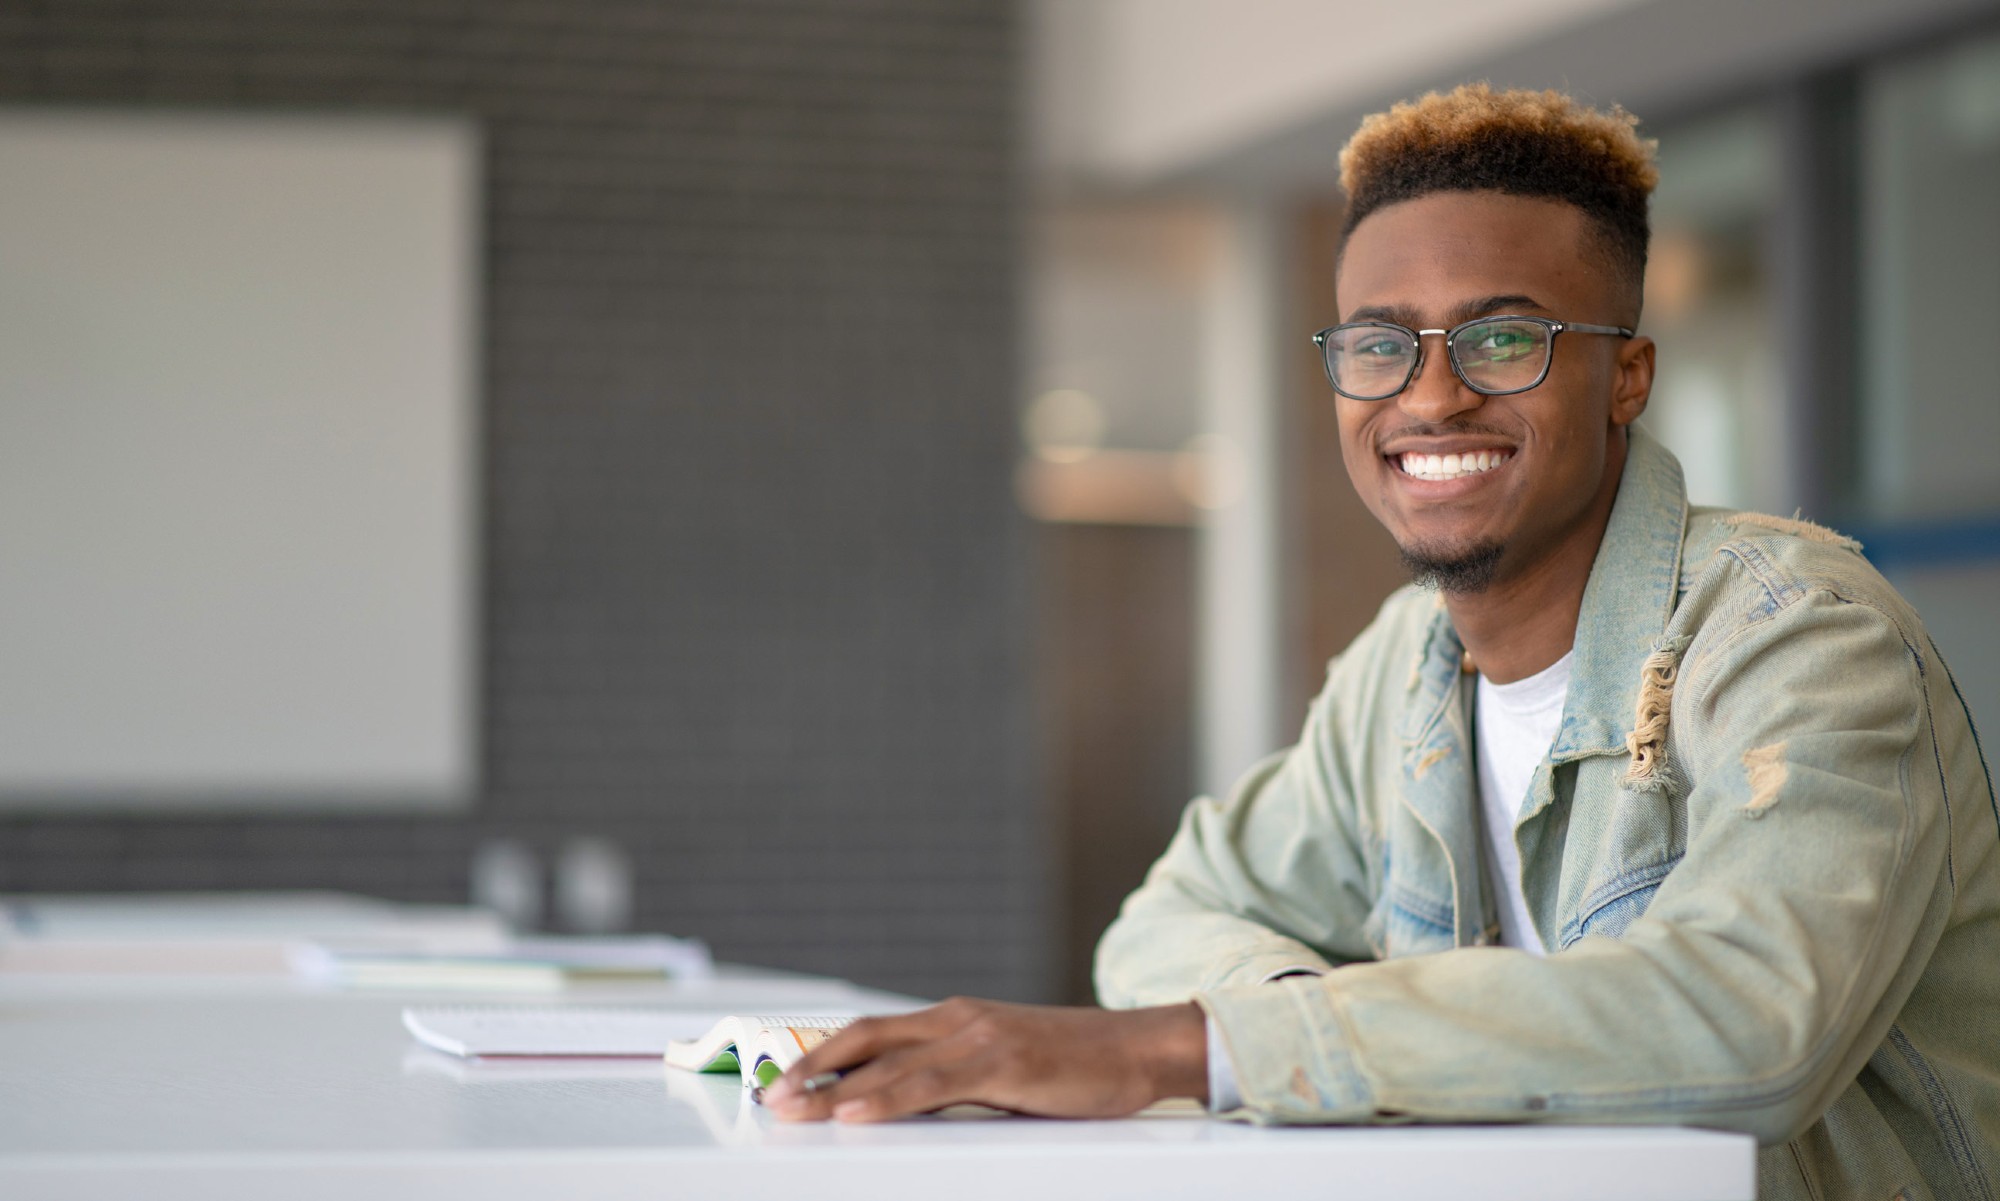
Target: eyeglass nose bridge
1417	363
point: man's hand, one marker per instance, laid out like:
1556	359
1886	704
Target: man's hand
1056	1062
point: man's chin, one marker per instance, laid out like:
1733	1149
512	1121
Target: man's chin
1456	570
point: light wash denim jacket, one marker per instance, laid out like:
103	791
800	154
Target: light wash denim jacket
1764	852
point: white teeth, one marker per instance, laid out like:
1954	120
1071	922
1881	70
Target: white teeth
1451	467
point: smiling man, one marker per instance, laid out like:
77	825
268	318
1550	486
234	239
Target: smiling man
1625	811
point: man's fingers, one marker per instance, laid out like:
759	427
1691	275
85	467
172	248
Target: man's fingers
911	1079
857	1044
865	1040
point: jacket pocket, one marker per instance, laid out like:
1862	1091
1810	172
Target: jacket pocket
1406	922
1613	906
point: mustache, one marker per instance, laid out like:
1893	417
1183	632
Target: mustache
1428	429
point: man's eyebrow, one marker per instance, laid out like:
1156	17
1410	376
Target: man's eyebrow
1512	302
1402	314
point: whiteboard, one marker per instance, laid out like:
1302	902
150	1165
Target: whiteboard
238	460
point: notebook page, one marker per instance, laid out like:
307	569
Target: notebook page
475	1030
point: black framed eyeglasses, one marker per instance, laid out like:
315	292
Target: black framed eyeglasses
1374	360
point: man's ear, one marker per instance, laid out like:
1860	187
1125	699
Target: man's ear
1633	385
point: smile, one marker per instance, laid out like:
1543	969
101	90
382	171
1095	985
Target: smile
1451	467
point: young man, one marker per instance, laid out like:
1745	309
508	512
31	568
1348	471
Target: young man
1628	812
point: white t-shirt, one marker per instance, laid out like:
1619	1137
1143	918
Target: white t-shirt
1513	727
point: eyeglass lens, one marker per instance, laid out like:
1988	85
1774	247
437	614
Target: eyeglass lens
1372	362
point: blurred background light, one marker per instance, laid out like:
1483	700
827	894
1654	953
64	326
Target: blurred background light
1065	425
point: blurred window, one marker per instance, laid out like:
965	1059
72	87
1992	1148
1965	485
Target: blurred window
1709	305
1930	282
1930	310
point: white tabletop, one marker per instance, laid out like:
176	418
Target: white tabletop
193	1088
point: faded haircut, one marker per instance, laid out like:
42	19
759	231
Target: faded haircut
1519	142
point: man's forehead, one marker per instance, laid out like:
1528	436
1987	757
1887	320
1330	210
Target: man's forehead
1442	254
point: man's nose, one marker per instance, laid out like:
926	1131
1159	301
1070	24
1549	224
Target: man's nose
1435	393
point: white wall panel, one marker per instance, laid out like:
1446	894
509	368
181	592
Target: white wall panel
237	459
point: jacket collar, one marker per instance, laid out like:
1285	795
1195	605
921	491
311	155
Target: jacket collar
1634	585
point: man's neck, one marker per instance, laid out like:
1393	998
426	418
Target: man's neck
1522	625
1526	618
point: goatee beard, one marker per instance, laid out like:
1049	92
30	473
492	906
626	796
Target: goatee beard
1456	570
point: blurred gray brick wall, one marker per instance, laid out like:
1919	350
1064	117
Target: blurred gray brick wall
754	606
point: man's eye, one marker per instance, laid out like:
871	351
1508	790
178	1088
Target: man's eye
1380	348
1504	343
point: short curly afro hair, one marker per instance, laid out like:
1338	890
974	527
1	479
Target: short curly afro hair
1520	142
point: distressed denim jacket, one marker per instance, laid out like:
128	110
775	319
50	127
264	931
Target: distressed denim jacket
1764	852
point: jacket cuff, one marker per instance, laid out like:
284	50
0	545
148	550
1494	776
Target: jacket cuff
1291	1051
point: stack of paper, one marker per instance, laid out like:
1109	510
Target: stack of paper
517	965
221	933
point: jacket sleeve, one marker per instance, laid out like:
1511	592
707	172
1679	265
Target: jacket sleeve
1271	878
1769	965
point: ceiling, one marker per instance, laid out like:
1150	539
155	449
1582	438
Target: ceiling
1259	95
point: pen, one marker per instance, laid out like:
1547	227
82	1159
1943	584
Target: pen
810	1084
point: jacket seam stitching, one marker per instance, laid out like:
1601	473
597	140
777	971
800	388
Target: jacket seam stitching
1699	668
1799	1162
1978	748
1945	1114
1944	779
1761	569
